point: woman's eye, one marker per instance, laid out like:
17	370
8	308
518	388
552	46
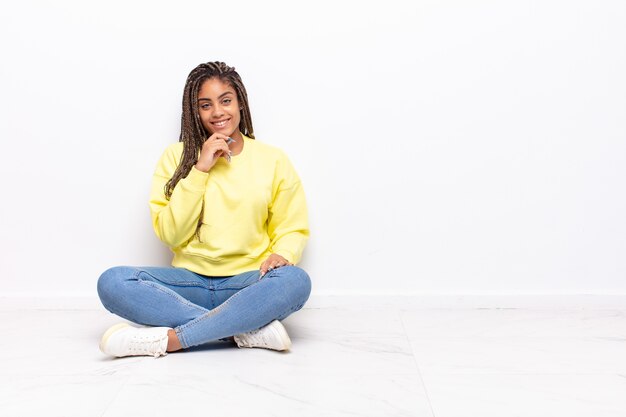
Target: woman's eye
205	106
227	101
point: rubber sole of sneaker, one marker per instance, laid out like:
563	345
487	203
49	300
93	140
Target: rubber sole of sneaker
109	332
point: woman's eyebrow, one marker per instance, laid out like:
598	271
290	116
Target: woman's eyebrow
221	95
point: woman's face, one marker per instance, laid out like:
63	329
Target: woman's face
218	108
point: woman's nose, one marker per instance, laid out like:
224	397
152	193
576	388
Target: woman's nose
217	110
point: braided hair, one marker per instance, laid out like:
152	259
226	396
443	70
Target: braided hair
192	133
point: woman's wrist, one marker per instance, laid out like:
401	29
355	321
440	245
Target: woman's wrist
202	167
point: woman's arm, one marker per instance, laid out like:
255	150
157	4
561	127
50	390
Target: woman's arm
175	220
288	226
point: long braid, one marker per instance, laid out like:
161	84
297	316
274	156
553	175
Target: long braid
192	132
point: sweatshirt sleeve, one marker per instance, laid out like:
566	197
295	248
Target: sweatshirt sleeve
175	220
288	217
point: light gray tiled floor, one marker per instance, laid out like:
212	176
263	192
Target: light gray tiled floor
345	361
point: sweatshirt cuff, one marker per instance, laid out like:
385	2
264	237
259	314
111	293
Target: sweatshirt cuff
197	179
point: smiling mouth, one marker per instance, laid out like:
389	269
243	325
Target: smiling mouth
221	123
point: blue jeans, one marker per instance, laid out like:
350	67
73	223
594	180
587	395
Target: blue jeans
202	308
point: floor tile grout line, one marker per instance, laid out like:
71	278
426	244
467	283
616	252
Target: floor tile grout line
419	372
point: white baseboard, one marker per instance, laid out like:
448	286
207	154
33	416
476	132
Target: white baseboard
354	299
473	301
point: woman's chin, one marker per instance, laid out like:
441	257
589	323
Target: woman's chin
226	132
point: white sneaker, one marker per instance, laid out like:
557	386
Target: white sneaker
123	340
273	336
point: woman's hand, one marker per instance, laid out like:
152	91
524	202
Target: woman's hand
272	262
214	147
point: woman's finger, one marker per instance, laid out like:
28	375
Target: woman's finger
263	268
273	262
217	136
220	149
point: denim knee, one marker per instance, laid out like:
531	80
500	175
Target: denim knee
297	284
110	284
304	285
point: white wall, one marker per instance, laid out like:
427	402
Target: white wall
445	146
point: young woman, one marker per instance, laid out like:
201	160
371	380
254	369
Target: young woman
233	212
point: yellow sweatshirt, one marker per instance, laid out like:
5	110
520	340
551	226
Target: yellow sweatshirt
253	206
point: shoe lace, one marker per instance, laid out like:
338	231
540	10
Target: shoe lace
256	337
149	345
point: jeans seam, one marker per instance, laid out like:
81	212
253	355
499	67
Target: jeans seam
177	283
181	338
175	296
209	313
180	329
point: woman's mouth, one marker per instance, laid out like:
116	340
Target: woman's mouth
220	123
